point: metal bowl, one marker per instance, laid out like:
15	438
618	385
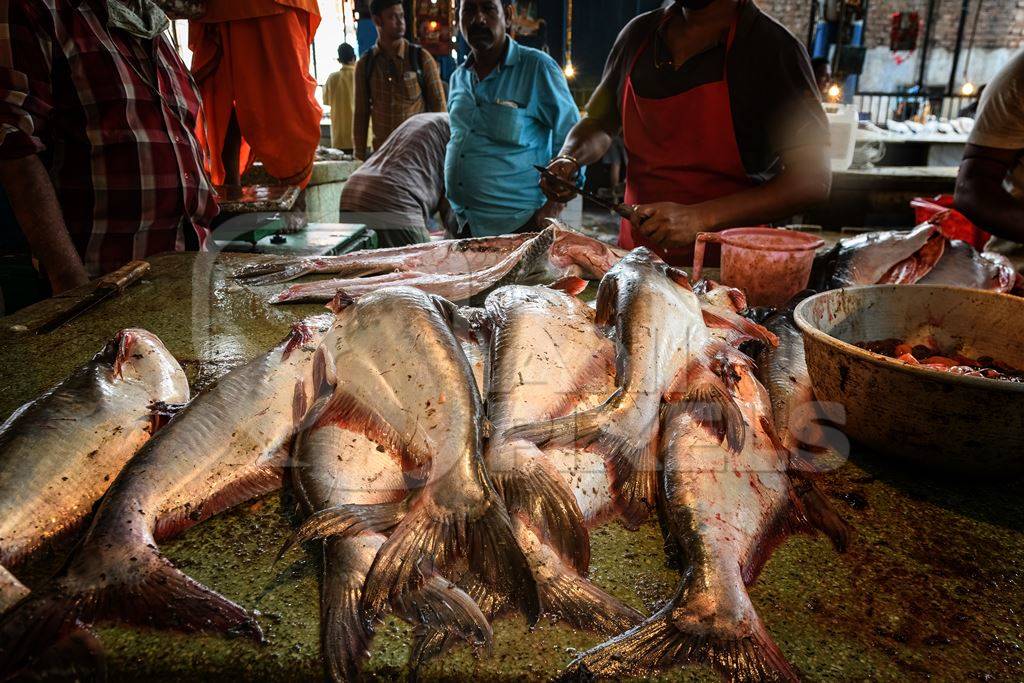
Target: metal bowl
955	423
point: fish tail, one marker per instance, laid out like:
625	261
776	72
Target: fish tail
344	636
345	521
429	535
541	495
443	607
585	606
681	633
142	588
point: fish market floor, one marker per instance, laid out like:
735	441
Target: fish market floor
932	586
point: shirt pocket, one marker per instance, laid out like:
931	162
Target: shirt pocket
411	86
504	124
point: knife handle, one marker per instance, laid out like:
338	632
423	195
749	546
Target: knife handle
126	275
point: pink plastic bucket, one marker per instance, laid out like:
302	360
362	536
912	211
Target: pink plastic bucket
769	265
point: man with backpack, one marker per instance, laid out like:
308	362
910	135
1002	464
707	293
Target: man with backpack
395	80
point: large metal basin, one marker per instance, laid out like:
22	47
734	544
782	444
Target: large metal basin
962	424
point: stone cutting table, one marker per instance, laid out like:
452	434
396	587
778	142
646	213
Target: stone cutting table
932	586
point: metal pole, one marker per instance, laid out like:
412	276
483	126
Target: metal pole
924	46
810	27
959	43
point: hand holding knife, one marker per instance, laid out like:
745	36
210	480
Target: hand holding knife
624	210
108	286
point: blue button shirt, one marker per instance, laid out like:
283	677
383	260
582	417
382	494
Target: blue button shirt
501	126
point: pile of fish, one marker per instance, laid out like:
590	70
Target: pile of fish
919	256
451	463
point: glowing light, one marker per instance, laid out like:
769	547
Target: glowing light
432	25
834	92
570	71
968	89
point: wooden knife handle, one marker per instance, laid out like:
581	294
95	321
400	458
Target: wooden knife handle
124	276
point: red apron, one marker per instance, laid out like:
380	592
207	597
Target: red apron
681	149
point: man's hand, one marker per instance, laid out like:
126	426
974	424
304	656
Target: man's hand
557	192
549	210
672	226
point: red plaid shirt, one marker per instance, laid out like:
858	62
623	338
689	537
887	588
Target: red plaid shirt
112	116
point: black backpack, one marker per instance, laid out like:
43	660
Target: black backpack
414	59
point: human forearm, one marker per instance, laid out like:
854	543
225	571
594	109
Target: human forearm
981	197
587	142
35	205
788	193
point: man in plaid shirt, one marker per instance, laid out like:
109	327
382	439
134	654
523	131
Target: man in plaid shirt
97	151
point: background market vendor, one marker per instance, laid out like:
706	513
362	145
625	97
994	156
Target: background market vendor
721	119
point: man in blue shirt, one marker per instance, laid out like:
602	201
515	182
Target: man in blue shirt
510	109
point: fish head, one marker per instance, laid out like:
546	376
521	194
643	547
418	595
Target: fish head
138	355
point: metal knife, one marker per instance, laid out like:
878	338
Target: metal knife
110	285
624	210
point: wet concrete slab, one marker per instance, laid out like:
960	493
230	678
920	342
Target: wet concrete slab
932	586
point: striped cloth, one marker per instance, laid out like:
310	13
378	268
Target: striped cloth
112	117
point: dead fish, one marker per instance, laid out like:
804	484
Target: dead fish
962	266
446	256
335	465
658	324
228	446
405	374
554	253
865	259
912	269
545	354
59	452
720	296
724	512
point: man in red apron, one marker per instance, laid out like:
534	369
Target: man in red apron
721	119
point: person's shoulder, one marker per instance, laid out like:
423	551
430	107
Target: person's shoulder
766	31
534	57
1011	75
641	24
365	57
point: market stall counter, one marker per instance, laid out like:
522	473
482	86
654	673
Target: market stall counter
929	587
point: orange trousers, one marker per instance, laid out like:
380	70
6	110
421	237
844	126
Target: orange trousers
259	69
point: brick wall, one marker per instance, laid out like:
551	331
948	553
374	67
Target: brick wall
1000	24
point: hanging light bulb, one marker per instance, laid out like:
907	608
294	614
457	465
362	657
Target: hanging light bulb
968	89
570	70
834	92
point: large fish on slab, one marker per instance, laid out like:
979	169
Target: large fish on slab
445	256
724	511
59	452
554	253
403	378
228	446
336	465
546	356
658	326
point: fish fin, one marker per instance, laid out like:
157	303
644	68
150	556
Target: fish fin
339	303
427	645
144	589
299	336
286	274
709	403
344	636
607	302
721	318
256	484
535	491
679	276
428	532
345	410
570	284
442	606
300	402
161	413
739	649
816	510
345	521
325	373
631	461
585	606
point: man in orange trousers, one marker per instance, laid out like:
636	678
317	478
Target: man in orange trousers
251	63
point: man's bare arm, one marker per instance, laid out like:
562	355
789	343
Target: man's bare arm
35	205
981	195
